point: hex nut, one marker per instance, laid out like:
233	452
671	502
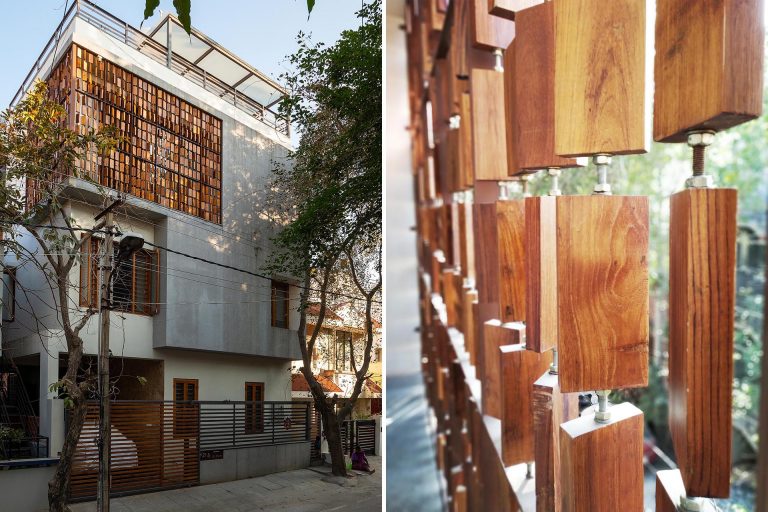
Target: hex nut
554	172
701	138
690	504
702	181
602	188
602	416
601	159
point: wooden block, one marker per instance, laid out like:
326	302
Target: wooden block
701	315
489	133
489	32
510	223
529	71
510	110
550	409
468	322
465	149
519	369
541	273
486	255
708	66
469	242
601	465
602	93
669	490
451	297
495	335
602	292
509	8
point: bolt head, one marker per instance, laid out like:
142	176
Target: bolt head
703	181
602	188
701	138
554	172
601	159
690	504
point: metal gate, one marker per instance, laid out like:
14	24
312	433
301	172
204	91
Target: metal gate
362	432
155	445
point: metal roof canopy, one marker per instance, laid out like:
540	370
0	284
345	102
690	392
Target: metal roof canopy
217	61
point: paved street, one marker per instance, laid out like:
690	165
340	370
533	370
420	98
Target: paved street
303	490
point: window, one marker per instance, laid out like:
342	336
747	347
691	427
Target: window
280	304
254	407
343	347
185	416
135	282
9	294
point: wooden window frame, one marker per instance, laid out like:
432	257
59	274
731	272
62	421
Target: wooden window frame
182	413
254	409
349	338
284	287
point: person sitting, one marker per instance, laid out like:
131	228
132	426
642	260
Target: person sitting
360	462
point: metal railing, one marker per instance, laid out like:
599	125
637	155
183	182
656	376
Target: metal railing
228	425
24	448
133	37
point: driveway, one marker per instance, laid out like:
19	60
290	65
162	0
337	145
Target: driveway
303	490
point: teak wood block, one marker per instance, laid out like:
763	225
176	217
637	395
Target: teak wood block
550	408
489	32
601	465
468	322
602	292
468	242
489	130
519	370
486	254
669	490
541	273
509	8
530	74
495	335
465	149
702	274
510	110
602	93
708	66
510	223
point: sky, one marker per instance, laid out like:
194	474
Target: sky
261	32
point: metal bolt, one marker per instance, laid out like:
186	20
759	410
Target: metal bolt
699	140
553	368
503	191
499	60
691	504
602	415
529	470
526	189
602	161
454	122
554	173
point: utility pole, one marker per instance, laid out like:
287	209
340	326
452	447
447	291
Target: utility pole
105	427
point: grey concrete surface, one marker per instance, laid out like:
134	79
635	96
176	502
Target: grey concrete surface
252	462
302	490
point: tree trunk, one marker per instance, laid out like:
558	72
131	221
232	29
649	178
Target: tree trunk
333	436
58	487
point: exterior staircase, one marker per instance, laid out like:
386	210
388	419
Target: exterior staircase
17	414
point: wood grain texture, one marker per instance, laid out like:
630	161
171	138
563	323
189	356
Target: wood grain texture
450	297
469	242
602	291
602	102
495	335
489	130
541	273
530	74
486	254
519	369
601	465
669	490
489	32
701	303
708	66
510	223
468	322
509	8
465	150
550	408
510	110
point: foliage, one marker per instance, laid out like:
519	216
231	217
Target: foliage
183	11
11	434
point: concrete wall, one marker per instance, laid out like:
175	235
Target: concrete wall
25	489
251	462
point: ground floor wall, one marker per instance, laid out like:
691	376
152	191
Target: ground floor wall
25	489
251	462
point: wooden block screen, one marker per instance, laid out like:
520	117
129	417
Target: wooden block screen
541	273
708	66
702	273
171	150
510	222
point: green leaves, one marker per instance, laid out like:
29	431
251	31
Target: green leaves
183	10
310	6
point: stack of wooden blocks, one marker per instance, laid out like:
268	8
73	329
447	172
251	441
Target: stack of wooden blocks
528	301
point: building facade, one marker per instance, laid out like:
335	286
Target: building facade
199	140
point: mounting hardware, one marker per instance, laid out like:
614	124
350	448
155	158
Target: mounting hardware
553	368
454	122
525	179
602	161
528	470
691	504
554	173
503	191
699	140
499	60
602	414
459	197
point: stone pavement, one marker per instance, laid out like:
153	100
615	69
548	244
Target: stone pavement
303	490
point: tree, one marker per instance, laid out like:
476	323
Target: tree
329	196
37	149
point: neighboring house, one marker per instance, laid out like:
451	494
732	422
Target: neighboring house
331	361
201	137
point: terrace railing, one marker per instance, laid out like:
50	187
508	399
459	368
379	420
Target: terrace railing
135	38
